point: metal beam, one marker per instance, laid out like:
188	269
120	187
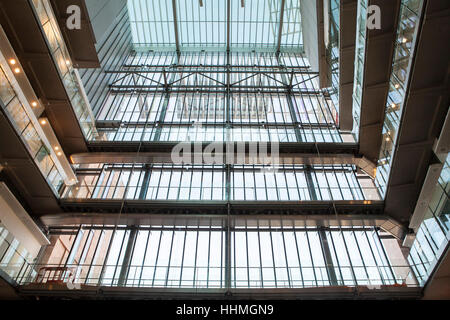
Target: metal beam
175	26
178	67
208	90
228	24
165	157
280	28
150	207
161	146
108	293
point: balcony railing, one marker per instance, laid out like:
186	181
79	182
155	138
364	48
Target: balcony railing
69	75
212	277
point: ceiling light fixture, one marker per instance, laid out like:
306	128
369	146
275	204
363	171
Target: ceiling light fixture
12	61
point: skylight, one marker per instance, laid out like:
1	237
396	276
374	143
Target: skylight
202	24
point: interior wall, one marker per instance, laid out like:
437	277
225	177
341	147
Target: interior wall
308	11
17	221
110	22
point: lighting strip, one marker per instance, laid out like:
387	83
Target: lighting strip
33	108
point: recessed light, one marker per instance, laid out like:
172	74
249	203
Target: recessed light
34	104
67	62
59	153
404	40
17	70
56	148
12	61
43	121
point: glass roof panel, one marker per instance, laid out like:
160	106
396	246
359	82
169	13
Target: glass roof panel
202	24
291	35
256	24
152	23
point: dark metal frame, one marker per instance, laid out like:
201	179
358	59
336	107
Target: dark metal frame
324	236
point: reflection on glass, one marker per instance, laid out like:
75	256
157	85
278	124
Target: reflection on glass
27	132
409	17
66	71
209	182
434	232
264	254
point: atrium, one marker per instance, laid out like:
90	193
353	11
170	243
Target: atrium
205	149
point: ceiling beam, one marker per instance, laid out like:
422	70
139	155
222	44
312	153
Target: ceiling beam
280	28
175	26
160	146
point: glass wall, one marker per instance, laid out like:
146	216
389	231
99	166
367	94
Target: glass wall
250	253
15	260
210	96
360	55
212	182
61	57
434	232
15	112
309	257
333	48
409	19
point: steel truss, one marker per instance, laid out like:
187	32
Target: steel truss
212	78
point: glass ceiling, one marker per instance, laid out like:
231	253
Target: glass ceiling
202	24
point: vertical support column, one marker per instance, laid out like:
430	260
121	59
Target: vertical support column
127	257
228	231
228	102
145	182
280	26
289	98
310	182
228	251
228	25
327	256
175	26
162	116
